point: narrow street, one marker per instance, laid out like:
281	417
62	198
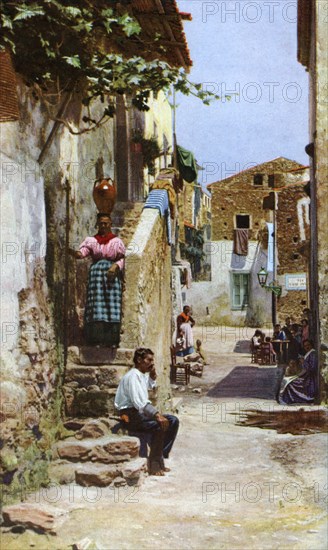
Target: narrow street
229	487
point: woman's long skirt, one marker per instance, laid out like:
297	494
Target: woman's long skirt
102	316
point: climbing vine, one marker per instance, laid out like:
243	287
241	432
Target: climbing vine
87	47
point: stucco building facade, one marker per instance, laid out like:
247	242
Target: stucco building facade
252	203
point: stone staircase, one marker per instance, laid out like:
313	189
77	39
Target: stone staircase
93	455
92	375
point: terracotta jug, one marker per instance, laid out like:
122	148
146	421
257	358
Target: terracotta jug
104	195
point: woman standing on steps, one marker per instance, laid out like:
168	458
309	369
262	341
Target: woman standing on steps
102	316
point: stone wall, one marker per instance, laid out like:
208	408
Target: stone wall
293	229
147	307
73	159
238	195
34	223
293	247
185	205
30	366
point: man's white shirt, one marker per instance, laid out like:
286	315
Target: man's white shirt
133	392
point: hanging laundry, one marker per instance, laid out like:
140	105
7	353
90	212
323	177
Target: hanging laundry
186	164
270	246
163	181
159	199
240	242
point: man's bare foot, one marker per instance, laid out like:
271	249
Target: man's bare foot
155	468
163	467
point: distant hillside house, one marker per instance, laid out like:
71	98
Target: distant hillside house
246	208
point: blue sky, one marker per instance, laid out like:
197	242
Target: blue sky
249	47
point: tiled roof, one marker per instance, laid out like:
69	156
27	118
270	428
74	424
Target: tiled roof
297	166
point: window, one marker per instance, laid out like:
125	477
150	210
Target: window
271	180
258	179
242	221
239	290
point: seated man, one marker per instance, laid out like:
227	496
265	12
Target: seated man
135	409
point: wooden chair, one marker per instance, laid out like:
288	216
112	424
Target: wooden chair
255	353
179	372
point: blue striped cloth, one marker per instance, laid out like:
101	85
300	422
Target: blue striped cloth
158	198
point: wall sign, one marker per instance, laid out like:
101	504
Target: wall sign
296	281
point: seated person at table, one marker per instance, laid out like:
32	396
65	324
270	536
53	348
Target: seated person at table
269	346
278	334
257	339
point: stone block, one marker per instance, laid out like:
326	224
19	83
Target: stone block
98	475
40	517
85	376
109	377
69	401
93	403
73	354
92	355
133	470
62	472
93	429
107	450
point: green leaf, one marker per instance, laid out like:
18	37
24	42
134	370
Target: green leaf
50	53
26	12
70	10
73	60
130	25
6	22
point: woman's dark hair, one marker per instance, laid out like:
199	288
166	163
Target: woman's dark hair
305	321
140	353
103	215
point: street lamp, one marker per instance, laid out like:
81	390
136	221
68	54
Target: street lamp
271	287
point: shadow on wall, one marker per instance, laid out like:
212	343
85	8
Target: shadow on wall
247	382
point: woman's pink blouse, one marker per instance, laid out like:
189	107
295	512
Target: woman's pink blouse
110	251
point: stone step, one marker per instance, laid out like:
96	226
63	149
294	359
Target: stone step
94	355
110	449
101	475
103	376
83	425
87	474
127	205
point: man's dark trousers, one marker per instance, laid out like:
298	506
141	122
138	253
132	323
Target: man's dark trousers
161	442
